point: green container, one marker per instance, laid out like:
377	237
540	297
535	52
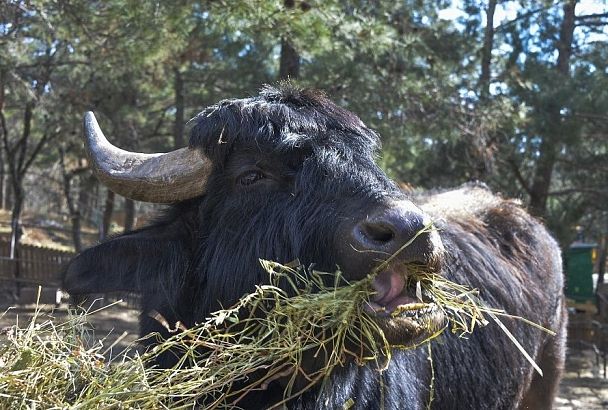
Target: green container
579	268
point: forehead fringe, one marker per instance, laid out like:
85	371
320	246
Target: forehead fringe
282	118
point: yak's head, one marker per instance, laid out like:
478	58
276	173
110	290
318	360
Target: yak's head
283	176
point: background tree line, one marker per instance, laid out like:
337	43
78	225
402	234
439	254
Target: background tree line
511	93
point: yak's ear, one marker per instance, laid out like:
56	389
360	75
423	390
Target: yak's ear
130	262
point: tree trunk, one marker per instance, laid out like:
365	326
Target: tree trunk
290	59
87	183
15	225
486	52
2	173
16	232
566	34
601	269
17	175
73	208
539	191
129	215
178	125
69	200
76	237
108	210
8	193
550	147
90	201
3	185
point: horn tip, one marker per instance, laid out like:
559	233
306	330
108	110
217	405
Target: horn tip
92	132
89	116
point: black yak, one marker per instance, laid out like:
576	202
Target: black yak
289	174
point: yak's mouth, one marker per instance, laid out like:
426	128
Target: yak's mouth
404	310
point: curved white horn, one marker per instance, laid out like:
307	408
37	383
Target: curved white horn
160	178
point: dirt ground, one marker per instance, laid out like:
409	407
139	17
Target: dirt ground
583	386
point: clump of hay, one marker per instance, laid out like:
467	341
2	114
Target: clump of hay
51	365
270	335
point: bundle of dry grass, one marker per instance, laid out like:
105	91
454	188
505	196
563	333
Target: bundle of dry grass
270	334
51	365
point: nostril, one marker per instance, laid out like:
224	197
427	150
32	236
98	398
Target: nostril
395	231
378	232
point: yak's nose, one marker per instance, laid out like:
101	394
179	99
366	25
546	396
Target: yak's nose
401	227
390	229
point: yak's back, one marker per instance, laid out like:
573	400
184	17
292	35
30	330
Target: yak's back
493	244
503	225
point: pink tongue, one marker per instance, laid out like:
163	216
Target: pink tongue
388	285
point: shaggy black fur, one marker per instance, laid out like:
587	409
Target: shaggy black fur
292	169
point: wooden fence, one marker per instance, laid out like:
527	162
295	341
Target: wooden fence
34	265
40	266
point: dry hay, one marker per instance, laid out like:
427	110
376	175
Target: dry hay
270	334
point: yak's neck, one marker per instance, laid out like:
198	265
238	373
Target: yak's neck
405	384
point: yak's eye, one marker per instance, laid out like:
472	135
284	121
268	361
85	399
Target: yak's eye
250	177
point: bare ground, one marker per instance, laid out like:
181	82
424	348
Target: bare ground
584	385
